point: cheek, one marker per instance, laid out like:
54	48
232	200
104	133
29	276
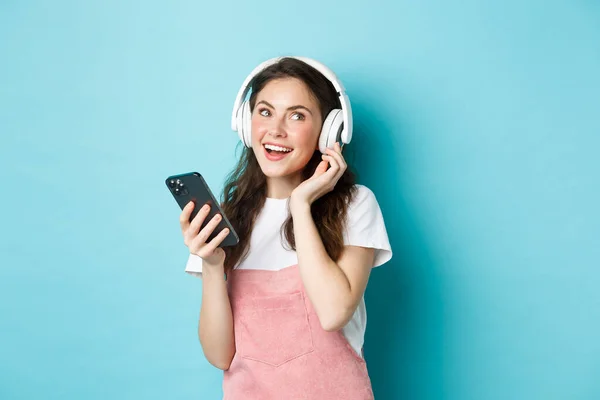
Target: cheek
257	128
307	138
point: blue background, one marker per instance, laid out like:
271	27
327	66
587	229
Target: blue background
477	127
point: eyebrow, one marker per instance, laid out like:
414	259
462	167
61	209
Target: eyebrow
289	108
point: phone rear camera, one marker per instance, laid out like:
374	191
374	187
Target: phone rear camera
179	188
171	183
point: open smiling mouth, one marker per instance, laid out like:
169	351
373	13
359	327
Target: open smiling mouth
276	153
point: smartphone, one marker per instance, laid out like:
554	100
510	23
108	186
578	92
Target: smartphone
191	186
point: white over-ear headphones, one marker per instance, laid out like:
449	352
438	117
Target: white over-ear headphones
336	127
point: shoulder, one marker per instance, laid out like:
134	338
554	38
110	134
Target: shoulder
363	197
365	225
363	207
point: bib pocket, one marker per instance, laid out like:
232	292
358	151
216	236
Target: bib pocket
274	330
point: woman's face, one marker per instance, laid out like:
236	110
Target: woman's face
286	123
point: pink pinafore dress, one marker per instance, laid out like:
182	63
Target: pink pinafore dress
282	352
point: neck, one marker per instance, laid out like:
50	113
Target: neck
282	187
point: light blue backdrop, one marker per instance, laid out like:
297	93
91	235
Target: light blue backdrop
477	127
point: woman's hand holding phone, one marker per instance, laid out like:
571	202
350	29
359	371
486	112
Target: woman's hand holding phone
195	238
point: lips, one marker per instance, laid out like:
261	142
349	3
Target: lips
273	153
275	156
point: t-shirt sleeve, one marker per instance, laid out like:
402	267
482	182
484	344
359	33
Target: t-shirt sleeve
366	227
194	266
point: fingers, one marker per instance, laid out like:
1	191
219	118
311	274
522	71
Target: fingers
197	241
198	220
321	168
184	217
335	169
208	229
338	166
211	246
333	165
336	153
190	229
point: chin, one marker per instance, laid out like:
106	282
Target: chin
291	166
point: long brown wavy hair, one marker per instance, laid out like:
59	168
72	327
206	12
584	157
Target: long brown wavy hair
245	189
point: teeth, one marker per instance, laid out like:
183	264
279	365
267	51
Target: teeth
277	148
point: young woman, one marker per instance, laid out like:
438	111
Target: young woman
283	312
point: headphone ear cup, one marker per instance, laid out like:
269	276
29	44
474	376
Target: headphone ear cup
239	121
246	124
331	130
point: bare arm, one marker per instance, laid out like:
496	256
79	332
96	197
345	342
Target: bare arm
215	328
334	289
215	325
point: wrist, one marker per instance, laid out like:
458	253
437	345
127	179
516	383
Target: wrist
210	270
299	208
301	212
299	204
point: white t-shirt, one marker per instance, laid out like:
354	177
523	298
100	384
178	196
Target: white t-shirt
365	228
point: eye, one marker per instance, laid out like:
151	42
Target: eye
298	116
264	112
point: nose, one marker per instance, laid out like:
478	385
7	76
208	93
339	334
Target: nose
277	128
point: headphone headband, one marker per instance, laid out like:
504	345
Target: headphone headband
346	134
